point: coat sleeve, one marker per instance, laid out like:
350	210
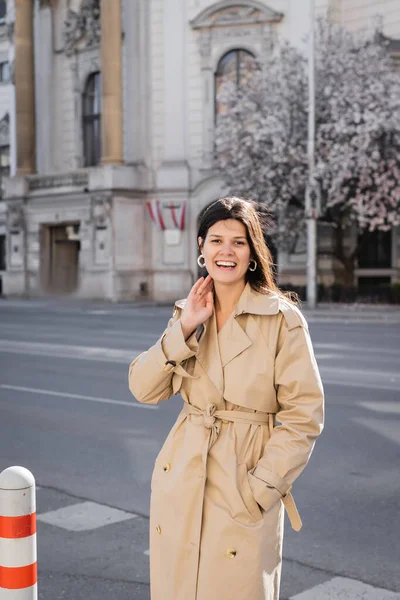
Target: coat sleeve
301	414
151	373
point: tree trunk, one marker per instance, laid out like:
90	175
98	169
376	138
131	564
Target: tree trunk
347	260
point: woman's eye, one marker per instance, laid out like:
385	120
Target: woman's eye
240	243
216	241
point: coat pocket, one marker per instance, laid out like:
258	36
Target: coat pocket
253	509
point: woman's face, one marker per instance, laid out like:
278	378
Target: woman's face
226	251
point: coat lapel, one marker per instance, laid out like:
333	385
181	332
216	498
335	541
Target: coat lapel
208	355
233	340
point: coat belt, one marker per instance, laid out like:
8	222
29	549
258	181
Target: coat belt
212	418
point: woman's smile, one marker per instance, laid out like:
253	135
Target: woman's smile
226	251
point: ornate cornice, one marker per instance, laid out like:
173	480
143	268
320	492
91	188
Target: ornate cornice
230	12
82	26
78	179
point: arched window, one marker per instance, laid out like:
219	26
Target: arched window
92	120
234	66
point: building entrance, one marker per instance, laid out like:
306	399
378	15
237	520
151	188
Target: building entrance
60	258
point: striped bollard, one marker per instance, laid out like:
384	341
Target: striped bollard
18	566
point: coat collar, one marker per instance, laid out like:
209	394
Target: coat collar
251	302
233	339
256	303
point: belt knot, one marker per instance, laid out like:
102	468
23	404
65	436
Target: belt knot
208	416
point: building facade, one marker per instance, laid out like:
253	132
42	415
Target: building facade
107	109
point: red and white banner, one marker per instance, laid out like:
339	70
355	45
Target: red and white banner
167	216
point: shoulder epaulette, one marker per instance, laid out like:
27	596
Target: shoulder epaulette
292	315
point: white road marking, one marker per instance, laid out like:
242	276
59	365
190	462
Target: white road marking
365	378
346	589
389	429
84	516
133	404
67	351
387	407
353	349
147	552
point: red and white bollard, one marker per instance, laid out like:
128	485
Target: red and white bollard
18	561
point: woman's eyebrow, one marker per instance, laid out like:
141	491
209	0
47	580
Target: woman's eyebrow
236	237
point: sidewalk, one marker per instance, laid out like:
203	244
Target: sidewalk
382	313
356	312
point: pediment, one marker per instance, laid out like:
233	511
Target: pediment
230	12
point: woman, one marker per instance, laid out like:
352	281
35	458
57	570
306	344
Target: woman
239	352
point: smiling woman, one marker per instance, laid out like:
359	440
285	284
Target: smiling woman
239	353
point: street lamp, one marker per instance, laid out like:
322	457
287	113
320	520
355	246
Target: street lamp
310	210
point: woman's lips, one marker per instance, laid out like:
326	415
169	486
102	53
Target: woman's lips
225	267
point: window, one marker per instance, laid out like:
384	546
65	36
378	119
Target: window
3	11
2	253
375	250
92	120
234	66
4	72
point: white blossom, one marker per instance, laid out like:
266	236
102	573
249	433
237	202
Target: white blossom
261	136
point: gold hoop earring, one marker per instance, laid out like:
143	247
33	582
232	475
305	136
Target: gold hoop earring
201	264
255	265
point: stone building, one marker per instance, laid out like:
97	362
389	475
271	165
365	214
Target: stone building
107	112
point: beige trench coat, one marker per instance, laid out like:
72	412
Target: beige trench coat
224	473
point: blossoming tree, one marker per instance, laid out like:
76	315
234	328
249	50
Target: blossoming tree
261	139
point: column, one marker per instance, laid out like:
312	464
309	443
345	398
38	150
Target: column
111	82
24	88
174	172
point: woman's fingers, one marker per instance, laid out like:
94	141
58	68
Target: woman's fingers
209	300
204	285
197	285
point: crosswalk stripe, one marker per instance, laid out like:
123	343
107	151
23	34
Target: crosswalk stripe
84	516
345	589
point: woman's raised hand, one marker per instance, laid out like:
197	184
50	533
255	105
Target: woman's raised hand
199	305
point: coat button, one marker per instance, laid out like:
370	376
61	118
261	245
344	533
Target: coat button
231	553
167	468
158	529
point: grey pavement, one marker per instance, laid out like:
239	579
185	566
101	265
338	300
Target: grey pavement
67	415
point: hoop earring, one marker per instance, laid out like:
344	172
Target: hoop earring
255	265
202	265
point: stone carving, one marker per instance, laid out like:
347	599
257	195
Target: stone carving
235	14
225	13
10	31
101	208
204	41
15	217
57	181
5	130
3	32
82	25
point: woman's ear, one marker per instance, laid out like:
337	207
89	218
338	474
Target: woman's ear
200	242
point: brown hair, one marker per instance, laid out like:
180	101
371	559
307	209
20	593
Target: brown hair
245	211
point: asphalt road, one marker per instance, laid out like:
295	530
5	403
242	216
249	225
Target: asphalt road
67	415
